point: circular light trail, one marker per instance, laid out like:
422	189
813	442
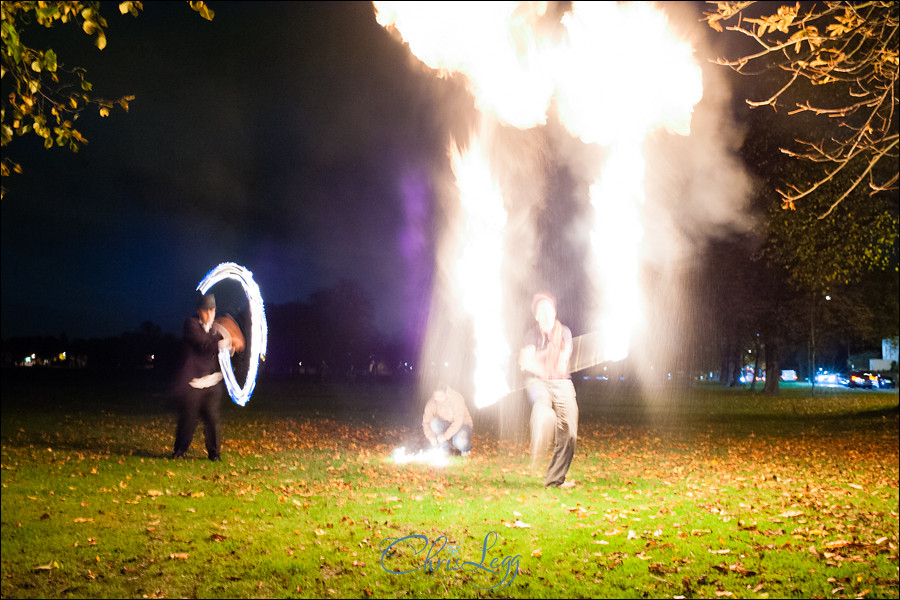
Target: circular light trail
258	329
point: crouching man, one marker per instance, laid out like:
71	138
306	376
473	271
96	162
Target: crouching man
447	420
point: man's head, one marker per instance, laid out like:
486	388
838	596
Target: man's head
543	307
206	308
441	392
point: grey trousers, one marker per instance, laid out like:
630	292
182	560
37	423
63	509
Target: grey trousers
558	394
543	427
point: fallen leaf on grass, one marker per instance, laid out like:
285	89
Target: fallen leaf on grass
216	537
537	553
47	567
791	513
83	520
179	555
154	493
519	524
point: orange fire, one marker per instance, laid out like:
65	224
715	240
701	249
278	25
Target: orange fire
611	73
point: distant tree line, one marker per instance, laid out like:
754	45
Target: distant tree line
333	335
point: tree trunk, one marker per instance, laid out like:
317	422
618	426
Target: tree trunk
737	366
755	365
773	369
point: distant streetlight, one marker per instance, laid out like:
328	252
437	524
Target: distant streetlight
812	341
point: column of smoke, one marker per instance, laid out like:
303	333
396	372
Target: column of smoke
588	167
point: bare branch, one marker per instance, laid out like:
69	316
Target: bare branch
849	45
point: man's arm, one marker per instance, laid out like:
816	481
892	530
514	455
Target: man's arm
566	352
426	422
202	342
526	359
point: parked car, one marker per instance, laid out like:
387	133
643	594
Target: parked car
868	380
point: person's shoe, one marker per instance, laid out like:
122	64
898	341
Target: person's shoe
565	485
215	458
464	454
177	455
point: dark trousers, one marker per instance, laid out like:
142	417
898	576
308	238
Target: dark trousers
202	404
559	394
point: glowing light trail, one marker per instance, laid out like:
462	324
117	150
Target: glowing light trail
258	329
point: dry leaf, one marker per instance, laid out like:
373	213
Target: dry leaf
520	524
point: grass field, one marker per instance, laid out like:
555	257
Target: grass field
682	492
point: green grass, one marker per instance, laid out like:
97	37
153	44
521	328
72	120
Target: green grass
693	492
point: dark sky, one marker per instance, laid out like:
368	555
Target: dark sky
296	139
291	138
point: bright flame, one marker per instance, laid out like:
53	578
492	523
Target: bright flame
478	269
616	242
258	329
623	73
624	100
492	43
435	457
614	72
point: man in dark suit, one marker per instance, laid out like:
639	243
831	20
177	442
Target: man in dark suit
200	384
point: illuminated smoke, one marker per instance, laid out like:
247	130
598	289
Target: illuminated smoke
611	74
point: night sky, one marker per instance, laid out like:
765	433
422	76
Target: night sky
299	140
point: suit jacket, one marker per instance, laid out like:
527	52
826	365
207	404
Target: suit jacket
201	352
